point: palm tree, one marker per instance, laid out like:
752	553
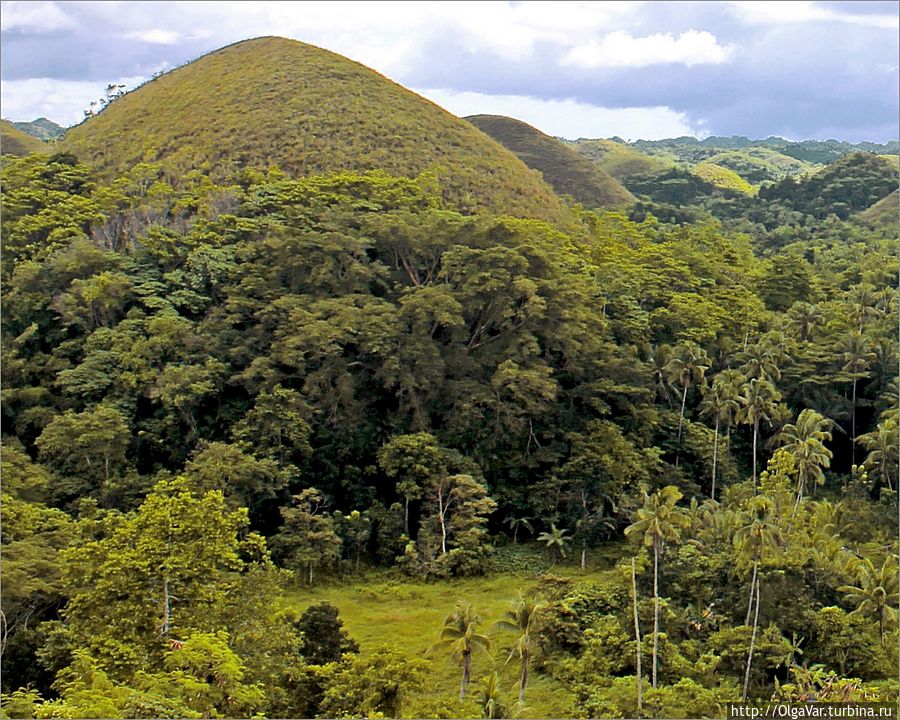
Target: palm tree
863	301
658	521
557	539
804	318
515	523
721	402
883	451
857	356
805	441
522	618
492	707
460	636
762	360
752	539
876	592
758	398
688	365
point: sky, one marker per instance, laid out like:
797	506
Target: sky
651	70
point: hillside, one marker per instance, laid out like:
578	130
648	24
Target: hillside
41	128
618	159
722	177
272	101
853	183
15	142
885	212
567	172
758	164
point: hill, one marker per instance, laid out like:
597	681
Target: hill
759	164
41	128
15	142
853	183
618	159
722	177
885	212
272	101
567	172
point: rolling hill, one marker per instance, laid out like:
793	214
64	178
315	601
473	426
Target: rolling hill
567	172
620	160
885	212
41	128
273	101
15	142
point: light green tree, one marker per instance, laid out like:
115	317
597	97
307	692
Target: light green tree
461	637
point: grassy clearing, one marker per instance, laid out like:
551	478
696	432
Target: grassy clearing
384	607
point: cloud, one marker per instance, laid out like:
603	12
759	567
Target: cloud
621	49
40	17
569	118
63	101
155	37
798	11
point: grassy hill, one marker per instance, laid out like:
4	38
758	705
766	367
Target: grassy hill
620	160
758	164
568	172
41	128
885	212
722	177
272	101
15	142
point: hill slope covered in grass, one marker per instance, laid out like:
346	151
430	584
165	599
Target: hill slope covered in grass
41	128
568	172
272	101
620	160
15	142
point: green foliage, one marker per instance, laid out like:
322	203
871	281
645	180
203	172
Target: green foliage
324	640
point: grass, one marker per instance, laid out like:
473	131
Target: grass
885	212
15	142
568	172
619	160
309	111
384	607
722	177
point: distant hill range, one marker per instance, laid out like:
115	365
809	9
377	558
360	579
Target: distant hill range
42	129
567	172
272	101
15	142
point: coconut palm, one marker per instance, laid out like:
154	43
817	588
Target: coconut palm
876	591
803	319
857	357
522	618
758	399
721	402
658	521
687	366
491	701
883	451
805	441
460	636
752	539
515	523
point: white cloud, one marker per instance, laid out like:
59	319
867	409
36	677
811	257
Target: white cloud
621	49
63	101
34	17
155	36
793	11
570	118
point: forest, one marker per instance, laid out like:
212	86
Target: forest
638	463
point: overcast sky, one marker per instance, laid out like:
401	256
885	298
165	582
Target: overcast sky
574	69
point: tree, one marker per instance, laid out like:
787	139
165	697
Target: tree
307	539
857	356
722	403
876	592
883	451
277	425
658	521
514	522
324	638
752	539
556	540
758	398
688	365
522	618
805	441
460	636
491	701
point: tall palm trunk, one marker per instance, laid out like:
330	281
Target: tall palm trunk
637	635
755	436
752	637
750	604
853	425
712	493
167	607
655	611
467	669
681	424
